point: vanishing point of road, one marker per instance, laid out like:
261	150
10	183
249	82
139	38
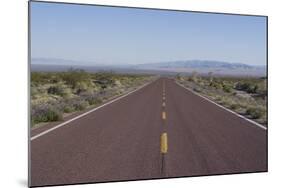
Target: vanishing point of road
161	130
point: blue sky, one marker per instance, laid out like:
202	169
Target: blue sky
130	36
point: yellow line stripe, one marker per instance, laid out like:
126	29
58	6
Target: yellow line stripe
164	104
164	143
163	115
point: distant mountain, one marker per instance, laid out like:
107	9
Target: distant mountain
205	66
196	64
171	67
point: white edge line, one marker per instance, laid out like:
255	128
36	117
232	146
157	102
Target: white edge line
86	113
251	121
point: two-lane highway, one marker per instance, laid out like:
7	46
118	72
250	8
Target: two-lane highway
161	130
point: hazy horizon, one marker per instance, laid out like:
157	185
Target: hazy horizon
129	36
93	63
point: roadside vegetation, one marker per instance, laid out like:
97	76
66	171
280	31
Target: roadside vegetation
54	95
244	95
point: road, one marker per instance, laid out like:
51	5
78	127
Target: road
162	130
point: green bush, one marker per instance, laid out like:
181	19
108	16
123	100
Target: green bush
68	109
37	77
33	91
54	115
247	86
255	112
72	77
81	87
234	106
93	101
77	90
81	105
45	113
227	88
55	90
216	85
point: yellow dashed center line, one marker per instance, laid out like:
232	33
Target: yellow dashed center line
164	115
164	143
164	137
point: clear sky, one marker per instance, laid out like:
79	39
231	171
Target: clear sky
129	36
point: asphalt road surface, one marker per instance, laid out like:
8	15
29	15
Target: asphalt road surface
161	130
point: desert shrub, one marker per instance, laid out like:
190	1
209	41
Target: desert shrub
54	115
80	104
224	102
247	87
217	98
255	112
179	77
82	87
55	90
117	83
227	88
216	85
55	78
37	77
33	91
105	79
194	76
73	76
67	93
45	113
253	89
68	109
74	90
92	99
234	106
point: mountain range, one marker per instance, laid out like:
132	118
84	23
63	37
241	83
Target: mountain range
182	66
205	66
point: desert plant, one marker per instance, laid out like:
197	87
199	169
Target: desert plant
55	93
81	87
216	85
92	99
194	76
73	76
68	109
33	91
247	86
227	88
255	112
234	106
80	104
55	90
45	113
